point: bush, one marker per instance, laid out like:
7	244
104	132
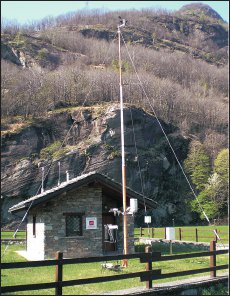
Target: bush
140	247
50	150
60	152
42	54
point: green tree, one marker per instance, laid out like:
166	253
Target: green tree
214	197
19	38
198	165
221	164
207	205
221	169
208	199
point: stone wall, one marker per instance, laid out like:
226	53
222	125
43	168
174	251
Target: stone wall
194	245
85	200
193	286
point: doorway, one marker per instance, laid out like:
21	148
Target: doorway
108	245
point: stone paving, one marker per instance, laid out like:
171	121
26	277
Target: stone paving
169	285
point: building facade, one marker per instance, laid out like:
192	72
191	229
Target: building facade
73	219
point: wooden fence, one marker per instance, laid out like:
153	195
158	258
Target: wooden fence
145	276
19	237
182	234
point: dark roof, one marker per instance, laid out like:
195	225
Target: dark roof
104	181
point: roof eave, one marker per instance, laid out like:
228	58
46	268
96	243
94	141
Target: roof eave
104	180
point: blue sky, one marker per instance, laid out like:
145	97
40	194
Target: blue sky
26	11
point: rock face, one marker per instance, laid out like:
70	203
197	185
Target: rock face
8	53
194	9
93	143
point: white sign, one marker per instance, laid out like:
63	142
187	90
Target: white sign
91	222
148	219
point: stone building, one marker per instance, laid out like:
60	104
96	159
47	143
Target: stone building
71	218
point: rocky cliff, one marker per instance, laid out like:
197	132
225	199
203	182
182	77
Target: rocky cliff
93	143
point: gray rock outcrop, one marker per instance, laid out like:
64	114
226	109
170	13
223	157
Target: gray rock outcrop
93	143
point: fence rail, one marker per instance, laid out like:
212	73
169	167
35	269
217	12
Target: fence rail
147	276
181	233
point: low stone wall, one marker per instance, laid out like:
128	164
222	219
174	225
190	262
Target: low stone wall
186	289
149	241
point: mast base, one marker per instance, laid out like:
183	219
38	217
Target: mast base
124	263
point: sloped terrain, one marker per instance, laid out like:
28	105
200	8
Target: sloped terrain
195	29
67	72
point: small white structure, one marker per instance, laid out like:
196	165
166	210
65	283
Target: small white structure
170	233
148	219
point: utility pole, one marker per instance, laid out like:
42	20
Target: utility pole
125	230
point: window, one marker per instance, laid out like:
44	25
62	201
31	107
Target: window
73	224
34	226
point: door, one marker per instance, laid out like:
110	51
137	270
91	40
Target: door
107	219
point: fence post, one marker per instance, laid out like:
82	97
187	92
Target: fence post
58	274
149	283
165	232
180	234
213	258
152	232
196	235
141	231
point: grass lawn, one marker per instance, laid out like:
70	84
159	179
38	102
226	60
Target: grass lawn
205	233
9	234
77	271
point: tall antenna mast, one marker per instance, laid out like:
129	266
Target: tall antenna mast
125	230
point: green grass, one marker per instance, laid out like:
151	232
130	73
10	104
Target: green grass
9	234
205	233
77	271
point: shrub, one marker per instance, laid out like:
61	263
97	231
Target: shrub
50	150
140	247
60	152
42	54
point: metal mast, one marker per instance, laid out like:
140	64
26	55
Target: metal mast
125	230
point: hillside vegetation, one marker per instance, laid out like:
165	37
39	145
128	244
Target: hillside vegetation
72	60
